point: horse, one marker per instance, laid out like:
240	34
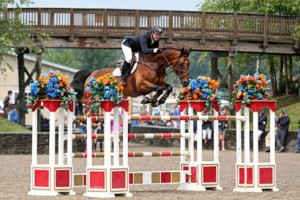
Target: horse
149	76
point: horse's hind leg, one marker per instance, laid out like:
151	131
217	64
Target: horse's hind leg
163	99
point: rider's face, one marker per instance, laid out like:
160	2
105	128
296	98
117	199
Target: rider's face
155	37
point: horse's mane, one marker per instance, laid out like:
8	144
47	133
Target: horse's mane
182	51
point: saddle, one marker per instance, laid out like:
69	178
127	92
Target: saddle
133	65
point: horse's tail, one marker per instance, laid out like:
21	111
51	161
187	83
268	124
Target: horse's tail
79	80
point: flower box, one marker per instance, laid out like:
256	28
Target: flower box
257	105
105	89
52	91
201	93
107	105
51	104
198	105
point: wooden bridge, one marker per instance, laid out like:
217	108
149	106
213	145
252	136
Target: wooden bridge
204	31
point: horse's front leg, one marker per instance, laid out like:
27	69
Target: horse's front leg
154	102
169	89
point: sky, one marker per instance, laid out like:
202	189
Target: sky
183	5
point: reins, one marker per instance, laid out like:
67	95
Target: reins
169	65
172	66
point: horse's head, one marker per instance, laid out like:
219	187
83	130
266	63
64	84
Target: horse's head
181	67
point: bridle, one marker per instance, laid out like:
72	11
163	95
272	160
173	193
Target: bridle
182	73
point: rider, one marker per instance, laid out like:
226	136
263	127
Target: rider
146	43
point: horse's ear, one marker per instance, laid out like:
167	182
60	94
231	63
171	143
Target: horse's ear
185	52
182	51
188	53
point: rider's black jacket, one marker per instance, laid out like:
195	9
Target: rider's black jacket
141	43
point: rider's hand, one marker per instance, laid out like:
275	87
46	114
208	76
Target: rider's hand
156	50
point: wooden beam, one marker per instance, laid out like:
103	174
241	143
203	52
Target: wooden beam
221	46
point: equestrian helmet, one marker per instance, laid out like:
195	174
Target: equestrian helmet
157	29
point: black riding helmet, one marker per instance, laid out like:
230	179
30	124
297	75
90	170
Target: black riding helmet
157	29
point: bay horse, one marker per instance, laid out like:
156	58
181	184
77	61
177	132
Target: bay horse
148	77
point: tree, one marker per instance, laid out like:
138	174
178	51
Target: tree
274	7
13	33
16	37
287	7
85	58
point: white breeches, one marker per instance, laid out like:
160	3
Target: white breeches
128	53
206	134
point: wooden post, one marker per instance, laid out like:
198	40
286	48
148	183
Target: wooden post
170	29
235	29
137	21
266	31
105	22
203	29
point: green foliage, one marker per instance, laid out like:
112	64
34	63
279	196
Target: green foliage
65	57
296	34
292	105
287	7
100	58
85	58
200	64
13	33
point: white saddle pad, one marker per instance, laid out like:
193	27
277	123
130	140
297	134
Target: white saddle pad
117	71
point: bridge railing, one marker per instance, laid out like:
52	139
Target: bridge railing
178	24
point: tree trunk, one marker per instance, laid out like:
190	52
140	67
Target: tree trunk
230	73
214	67
21	95
286	75
290	68
273	75
281	70
299	81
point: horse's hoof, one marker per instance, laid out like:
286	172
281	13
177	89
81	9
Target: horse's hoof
154	104
161	101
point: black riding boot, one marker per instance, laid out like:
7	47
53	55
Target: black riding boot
125	68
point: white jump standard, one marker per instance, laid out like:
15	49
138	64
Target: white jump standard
53	178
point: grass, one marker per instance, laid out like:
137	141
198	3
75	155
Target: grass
292	105
7	126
